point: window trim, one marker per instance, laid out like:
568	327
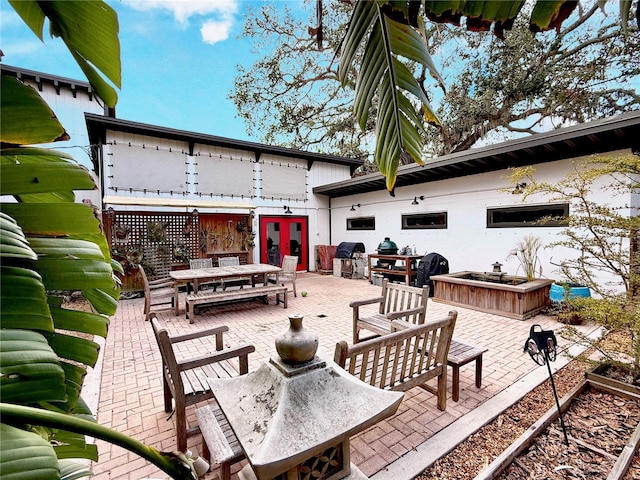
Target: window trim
368	218
514	209
445	214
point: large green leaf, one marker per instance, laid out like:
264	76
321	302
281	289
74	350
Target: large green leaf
90	31
25	117
392	28
397	127
13	243
53	219
104	301
74	348
30	369
26	455
79	321
23	302
35	170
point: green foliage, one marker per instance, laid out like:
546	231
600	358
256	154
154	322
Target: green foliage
49	244
605	239
586	69
614	316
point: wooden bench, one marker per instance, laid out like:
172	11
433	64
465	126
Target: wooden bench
185	380
220	445
206	298
460	354
404	359
395	302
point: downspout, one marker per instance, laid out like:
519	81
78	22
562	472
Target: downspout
330	230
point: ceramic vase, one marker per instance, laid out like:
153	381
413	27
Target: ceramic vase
297	344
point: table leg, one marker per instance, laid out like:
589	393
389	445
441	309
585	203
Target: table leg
176	305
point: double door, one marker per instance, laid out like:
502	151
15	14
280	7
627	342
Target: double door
284	235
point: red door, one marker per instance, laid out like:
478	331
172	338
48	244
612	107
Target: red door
280	236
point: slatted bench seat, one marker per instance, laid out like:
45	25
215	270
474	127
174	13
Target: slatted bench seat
220	445
207	298
409	357
460	354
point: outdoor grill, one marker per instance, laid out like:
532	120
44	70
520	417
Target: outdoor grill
349	249
347	254
386	247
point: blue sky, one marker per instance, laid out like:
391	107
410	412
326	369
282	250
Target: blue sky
178	57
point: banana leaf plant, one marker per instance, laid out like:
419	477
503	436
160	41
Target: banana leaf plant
49	244
390	33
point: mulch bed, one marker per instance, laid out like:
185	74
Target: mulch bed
587	421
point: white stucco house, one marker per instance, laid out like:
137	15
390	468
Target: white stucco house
214	196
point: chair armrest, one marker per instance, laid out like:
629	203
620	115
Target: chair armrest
404	313
399	325
199	334
368	301
163	282
238	351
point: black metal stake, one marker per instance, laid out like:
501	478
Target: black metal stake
555	395
544	342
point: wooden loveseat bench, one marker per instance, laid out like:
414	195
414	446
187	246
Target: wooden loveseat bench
208	297
403	359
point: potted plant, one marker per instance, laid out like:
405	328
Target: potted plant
526	252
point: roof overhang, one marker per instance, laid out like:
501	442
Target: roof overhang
98	125
185	203
600	136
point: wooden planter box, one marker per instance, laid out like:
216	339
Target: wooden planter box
599	380
520	301
620	467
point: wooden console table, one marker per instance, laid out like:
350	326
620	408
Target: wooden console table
408	271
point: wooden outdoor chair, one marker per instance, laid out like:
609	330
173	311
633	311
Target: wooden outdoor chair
289	272
197	263
185	380
396	302
157	292
232	281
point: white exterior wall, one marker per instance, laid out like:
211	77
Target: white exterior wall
316	208
70	112
467	243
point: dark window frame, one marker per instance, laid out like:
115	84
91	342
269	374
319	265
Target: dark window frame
426	226
367	223
524	216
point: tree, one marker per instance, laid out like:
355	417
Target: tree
490	94
605	237
50	244
290	96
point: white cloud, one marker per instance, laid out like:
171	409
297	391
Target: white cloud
182	10
219	14
214	31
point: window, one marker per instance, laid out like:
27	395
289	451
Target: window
362	223
528	216
418	221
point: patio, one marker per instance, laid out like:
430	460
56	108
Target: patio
126	388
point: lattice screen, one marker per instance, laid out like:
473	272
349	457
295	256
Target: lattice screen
154	239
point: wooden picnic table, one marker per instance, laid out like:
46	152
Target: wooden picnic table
198	275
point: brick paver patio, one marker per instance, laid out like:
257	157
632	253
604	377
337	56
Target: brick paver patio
130	391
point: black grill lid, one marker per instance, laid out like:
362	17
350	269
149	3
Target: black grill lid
348	249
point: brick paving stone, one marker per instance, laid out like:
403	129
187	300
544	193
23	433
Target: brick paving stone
131	399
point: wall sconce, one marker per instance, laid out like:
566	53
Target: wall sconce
415	199
353	207
286	209
518	189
